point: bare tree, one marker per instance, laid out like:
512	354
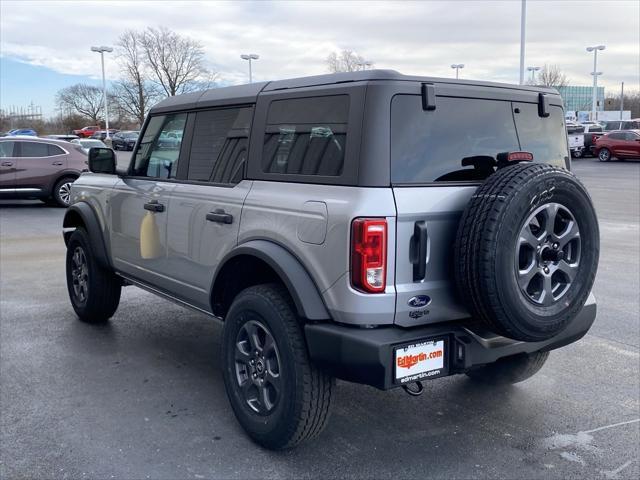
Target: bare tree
631	102
551	76
345	61
176	62
134	92
83	99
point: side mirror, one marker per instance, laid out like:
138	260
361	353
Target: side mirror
102	160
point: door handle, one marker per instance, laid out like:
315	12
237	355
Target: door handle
154	206
7	164
418	250
57	163
219	216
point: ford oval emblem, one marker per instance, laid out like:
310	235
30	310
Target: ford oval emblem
419	301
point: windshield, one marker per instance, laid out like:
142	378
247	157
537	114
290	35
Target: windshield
460	140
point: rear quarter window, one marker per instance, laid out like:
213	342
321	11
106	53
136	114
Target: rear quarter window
306	136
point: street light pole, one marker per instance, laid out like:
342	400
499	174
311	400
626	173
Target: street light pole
533	71
249	57
101	51
595	74
621	99
523	21
457	67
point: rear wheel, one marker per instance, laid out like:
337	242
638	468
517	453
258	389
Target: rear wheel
277	395
604	155
62	191
509	370
93	290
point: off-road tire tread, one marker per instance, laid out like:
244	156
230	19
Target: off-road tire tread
105	287
314	405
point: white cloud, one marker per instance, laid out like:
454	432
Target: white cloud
294	38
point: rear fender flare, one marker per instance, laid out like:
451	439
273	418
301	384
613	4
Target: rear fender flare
295	277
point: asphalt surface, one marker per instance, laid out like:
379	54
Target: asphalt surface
143	397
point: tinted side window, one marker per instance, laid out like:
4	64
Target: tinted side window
6	149
219	146
595	129
429	146
631	136
306	136
55	150
159	151
34	149
616	136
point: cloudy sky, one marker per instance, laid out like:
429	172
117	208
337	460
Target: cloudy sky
44	46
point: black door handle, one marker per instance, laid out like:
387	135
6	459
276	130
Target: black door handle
154	206
219	216
418	250
57	163
7	164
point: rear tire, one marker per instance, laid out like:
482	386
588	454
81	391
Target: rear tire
604	155
279	397
62	191
510	370
93	290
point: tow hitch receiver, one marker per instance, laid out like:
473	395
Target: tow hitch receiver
419	389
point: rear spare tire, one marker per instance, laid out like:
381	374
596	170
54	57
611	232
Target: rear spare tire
527	251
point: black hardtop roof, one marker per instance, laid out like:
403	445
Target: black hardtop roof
248	93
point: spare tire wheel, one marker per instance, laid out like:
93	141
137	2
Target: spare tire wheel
527	250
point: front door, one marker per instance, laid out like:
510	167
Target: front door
140	203
205	208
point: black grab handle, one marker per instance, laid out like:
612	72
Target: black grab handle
219	216
154	206
418	250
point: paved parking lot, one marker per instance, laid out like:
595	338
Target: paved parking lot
142	397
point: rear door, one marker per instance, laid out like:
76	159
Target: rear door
205	207
139	205
631	145
438	159
39	165
8	161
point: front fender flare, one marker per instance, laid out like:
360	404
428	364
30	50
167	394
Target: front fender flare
81	214
295	277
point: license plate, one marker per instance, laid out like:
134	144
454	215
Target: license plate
420	360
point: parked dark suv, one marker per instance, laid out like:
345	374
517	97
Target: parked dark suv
124	140
39	168
369	226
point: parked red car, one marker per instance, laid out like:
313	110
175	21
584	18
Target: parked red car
86	132
619	144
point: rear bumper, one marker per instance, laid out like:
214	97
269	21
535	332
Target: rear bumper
366	355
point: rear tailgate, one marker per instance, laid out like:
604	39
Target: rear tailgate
432	185
438	209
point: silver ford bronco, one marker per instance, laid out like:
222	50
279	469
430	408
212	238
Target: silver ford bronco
370	226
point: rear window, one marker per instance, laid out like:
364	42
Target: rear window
34	149
453	142
306	136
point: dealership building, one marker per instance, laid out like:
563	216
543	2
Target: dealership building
577	98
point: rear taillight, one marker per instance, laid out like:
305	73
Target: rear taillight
594	138
369	254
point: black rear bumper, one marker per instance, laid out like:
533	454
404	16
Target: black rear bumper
366	355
